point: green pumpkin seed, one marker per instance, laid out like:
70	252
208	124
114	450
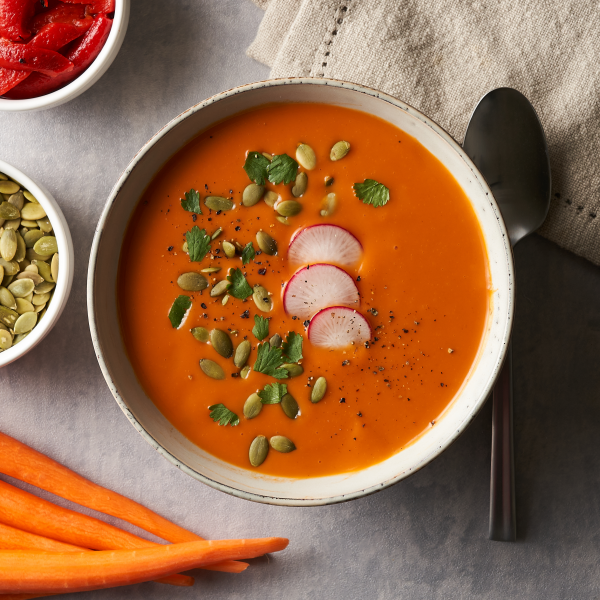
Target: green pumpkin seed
29	297
225	299
289	406
32	212
184	247
44	271
328	205
53	268
220	288
268	156
20	338
293	369
7	280
3	176
1	273
8	244
21	249
228	249
28	224
339	150
40	299
252	406
9	211
46	246
266	243
8	187
282	444
35	277
17	200
21	287
24	306
211	270
283	220
252	194
300	185
10	267
25	323
39	308
5	340
329	180
245	372
7	299
32	255
270	198
289	208
192	282
318	391
259	448
44	287
262	299
211	369
275	341
242	353
221	342
217	233
32	268
30	197
31	237
305	155
13	224
201	334
44	224
8	316
218	203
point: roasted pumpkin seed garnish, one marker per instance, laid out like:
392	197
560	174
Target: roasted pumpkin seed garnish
266	243
211	369
282	444
305	155
252	406
221	342
318	391
339	150
259	448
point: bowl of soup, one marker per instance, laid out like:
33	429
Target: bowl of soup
300	291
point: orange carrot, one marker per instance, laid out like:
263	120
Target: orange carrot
30	571
26	464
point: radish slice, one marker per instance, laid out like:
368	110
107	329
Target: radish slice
325	244
338	327
317	286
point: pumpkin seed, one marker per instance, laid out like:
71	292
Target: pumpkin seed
46	246
24	264
8	244
192	282
218	203
225	299
32	212
184	247
24	306
259	448
8	316
318	391
275	341
39	308
245	372
5	340
328	205
44	287
3	176
1	223
7	299
283	220
21	287
30	197
329	180
219	288
252	194
211	270
289	406
242	353
289	208
54	267
252	406
211	369
201	334
25	323
293	369
7	280
262	299
44	224
21	249
10	267
305	155
9	187
32	255
1	272
40	299
282	444
29	297
300	185
268	156
29	224
266	243
270	198
9	211
339	150
217	233
228	249
13	224
20	338
44	271
17	200
32	268
35	277
221	342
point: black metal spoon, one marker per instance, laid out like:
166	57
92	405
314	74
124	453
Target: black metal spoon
506	142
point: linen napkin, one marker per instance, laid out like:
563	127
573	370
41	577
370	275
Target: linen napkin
442	56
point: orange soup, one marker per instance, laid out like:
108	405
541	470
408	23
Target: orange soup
420	281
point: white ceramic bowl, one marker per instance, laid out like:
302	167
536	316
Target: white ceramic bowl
150	422
88	77
65	271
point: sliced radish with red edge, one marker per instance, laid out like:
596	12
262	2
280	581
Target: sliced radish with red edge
338	327
325	244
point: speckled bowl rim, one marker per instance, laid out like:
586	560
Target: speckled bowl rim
265	499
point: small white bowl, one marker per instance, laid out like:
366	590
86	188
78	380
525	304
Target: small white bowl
65	271
88	77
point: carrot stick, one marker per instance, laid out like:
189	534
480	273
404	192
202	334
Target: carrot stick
26	464
30	571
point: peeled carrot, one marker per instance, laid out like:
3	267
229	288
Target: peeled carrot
30	571
26	464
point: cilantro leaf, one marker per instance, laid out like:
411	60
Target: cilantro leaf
192	202
292	347
239	287
256	167
273	393
261	328
269	361
248	253
282	168
198	243
372	192
179	311
220	414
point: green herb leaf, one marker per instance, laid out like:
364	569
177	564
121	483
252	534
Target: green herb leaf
261	328
269	361
292	347
282	168
198	243
220	414
192	202
256	167
273	393
248	253
178	311
372	192
239	287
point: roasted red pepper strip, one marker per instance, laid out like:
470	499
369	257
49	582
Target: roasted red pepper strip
100	7
61	13
15	16
29	58
82	56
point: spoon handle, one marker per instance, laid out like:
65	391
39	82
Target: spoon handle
503	525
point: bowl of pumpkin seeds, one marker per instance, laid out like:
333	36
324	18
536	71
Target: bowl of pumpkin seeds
36	263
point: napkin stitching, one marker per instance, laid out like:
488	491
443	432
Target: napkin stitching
326	47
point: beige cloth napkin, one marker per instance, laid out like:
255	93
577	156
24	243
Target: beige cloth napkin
442	56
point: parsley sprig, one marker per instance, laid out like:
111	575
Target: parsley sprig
198	243
178	310
372	192
272	393
256	167
292	347
220	414
269	361
248	253
282	168
261	328
239	287
192	202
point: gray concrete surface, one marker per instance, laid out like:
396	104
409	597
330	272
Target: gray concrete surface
426	537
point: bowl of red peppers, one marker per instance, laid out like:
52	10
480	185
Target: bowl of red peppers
53	50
